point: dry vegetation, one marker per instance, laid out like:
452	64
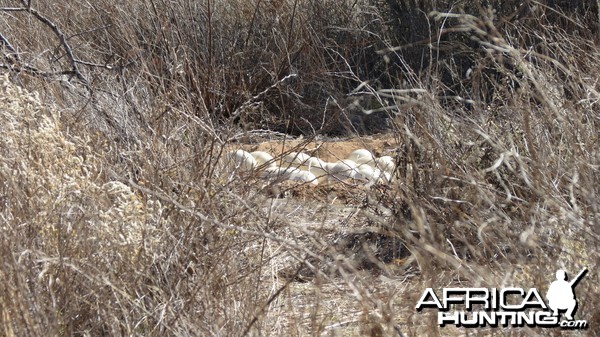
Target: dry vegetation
116	218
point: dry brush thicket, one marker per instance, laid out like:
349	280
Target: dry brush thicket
117	219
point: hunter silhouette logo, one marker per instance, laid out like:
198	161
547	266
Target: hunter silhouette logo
513	306
561	294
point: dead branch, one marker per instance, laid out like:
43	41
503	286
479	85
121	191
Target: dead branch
61	37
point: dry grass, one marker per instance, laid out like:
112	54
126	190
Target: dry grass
117	219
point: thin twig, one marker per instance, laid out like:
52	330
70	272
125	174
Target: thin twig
4	41
13	9
254	100
34	71
97	65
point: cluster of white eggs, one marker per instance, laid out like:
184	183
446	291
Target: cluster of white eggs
361	166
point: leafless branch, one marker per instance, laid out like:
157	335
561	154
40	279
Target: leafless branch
61	37
34	71
4	41
13	9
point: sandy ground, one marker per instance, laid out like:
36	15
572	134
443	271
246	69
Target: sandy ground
336	305
328	150
368	301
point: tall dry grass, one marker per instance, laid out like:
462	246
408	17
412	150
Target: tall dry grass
117	219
